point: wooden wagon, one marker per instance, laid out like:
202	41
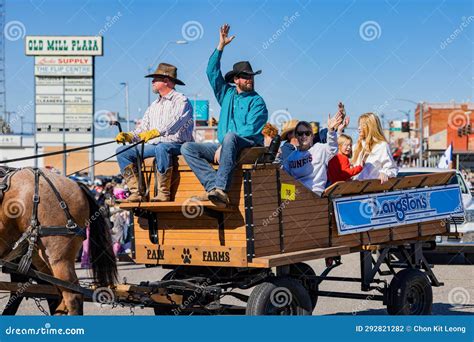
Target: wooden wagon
274	225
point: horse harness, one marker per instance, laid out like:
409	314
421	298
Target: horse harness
35	229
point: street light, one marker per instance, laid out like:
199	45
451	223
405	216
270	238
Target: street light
127	108
421	104
150	67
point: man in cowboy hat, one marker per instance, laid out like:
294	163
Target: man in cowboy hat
242	118
166	125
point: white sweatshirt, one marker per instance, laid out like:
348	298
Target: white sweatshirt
310	167
380	160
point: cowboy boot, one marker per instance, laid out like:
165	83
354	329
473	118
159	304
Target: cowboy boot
164	186
130	175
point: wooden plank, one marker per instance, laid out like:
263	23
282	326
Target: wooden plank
376	186
175	206
438	178
349	188
410	182
300	256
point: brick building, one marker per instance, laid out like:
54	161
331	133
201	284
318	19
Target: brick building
445	123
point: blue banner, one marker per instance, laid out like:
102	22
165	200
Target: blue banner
391	209
237	328
201	109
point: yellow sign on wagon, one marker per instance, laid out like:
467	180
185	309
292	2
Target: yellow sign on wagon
288	192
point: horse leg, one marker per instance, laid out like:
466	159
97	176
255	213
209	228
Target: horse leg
72	303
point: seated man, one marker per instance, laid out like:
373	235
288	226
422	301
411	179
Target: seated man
242	118
167	124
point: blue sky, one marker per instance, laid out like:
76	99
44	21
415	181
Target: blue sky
322	54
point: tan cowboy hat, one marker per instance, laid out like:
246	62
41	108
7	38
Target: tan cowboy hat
288	126
167	70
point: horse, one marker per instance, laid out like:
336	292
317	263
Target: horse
55	255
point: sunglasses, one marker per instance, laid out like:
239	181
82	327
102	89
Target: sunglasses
245	76
307	133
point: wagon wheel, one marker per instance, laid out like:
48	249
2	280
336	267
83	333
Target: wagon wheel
279	296
300	271
410	293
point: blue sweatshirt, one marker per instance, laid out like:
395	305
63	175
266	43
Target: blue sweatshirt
244	113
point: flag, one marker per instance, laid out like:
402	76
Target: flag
446	158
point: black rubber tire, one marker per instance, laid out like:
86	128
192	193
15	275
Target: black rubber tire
410	293
299	271
166	310
269	298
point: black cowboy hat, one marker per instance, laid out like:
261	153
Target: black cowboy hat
167	70
240	68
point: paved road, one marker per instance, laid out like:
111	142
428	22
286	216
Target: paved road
457	276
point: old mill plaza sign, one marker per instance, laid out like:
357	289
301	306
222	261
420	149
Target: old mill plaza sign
63	46
64	87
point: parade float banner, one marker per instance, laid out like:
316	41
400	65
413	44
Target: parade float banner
384	210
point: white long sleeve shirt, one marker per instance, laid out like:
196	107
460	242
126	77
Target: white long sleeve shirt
380	160
172	116
310	167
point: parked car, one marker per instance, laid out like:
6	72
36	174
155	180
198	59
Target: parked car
463	242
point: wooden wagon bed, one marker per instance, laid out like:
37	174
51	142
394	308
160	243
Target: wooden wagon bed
273	220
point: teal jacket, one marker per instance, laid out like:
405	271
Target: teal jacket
244	113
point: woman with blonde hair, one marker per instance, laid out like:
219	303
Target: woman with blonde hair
372	151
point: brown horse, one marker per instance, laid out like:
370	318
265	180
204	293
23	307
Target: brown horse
55	255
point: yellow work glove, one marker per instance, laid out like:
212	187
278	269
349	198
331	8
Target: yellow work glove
124	137
148	135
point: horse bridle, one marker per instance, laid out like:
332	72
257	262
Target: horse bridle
35	230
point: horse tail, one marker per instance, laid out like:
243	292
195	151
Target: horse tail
104	265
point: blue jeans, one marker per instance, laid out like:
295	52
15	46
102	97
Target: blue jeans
199	155
163	153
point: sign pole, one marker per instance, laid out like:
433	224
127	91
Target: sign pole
92	154
64	127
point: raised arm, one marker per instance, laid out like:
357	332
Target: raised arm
214	74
